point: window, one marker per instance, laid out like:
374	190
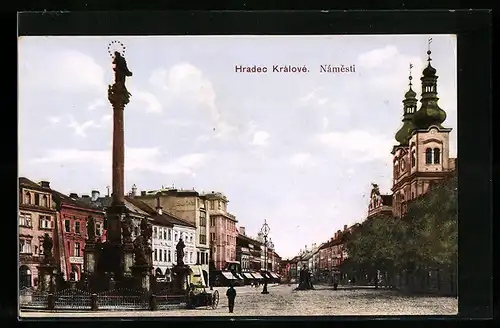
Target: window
136	231
212	236
45	201
25	220
191	238
155	232
160	233
212	222
169	234
27	198
156	255
45	222
169	253
190	257
176	236
165	234
412	195
413	159
165	255
219	204
203	219
36	250
211	204
37	199
77	227
67	226
437	156
403	163
98	229
198	258
203	239
161	255
76	252
428	156
25	246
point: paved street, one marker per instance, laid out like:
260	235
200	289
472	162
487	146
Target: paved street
282	300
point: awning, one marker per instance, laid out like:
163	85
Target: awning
257	275
248	275
228	275
273	275
237	276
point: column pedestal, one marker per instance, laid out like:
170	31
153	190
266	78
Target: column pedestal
128	259
180	283
142	276
90	258
47	279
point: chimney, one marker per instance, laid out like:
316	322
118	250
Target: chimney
73	195
95	195
242	231
335	236
45	184
345	227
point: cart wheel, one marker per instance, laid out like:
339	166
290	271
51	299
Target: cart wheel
215	299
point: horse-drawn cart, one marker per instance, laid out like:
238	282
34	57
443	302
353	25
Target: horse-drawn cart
199	297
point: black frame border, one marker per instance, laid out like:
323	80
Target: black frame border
473	29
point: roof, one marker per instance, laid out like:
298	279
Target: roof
73	202
248	239
25	182
164	219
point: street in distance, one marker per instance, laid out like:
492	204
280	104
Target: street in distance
294	69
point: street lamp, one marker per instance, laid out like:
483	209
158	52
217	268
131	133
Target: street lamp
265	232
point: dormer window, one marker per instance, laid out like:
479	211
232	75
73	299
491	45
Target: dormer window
428	156
437	155
27	198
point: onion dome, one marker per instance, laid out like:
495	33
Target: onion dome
409	108
429	113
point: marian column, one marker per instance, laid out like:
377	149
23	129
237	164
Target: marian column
118	96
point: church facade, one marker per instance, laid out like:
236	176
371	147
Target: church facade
421	156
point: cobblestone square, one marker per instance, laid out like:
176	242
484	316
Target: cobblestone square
282	300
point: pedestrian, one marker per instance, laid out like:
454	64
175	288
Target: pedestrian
231	295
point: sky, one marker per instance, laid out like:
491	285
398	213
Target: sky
297	149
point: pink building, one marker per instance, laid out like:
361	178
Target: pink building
223	230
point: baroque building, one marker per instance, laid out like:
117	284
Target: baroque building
421	156
37	217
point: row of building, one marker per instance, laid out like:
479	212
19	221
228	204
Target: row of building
209	232
420	159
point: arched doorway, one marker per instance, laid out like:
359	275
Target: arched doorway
158	272
75	273
24	276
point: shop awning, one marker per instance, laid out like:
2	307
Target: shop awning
273	275
237	276
228	275
257	275
248	275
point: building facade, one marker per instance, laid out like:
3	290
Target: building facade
223	230
421	156
188	206
37	217
71	227
248	252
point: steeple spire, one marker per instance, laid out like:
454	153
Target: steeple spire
409	108
429	112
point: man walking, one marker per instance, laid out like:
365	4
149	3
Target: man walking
231	295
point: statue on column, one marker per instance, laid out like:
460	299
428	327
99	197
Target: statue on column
47	248
141	244
118	93
91	229
180	252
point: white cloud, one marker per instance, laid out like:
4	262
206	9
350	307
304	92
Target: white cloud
377	57
64	70
96	104
326	123
357	145
153	105
260	138
303	159
187	82
54	119
80	129
136	159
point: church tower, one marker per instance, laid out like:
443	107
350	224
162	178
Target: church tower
422	154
